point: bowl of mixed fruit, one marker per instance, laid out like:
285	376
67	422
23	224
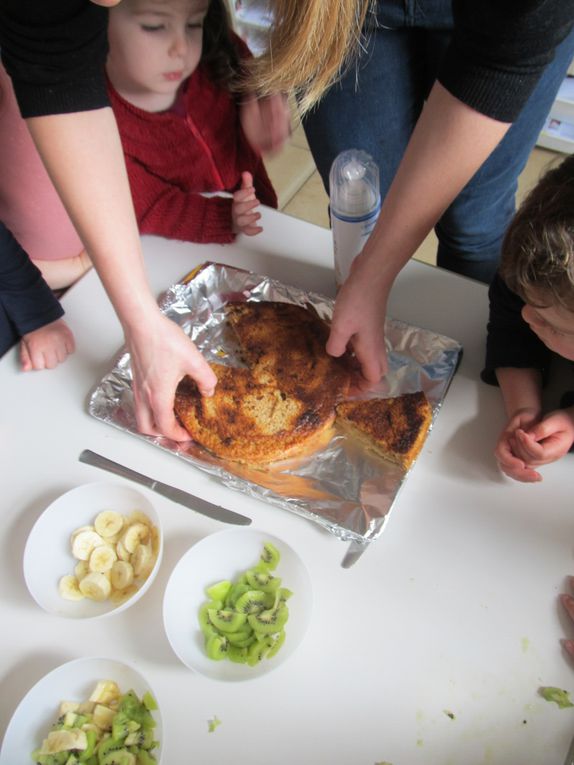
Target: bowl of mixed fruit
91	711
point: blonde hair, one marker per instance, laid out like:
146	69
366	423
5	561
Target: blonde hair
537	260
312	43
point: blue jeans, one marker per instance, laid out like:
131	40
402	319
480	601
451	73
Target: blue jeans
375	108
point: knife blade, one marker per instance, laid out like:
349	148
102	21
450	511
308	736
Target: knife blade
570	756
354	552
202	506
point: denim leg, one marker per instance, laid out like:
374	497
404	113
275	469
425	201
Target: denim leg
376	105
471	231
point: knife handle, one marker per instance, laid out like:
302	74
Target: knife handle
91	458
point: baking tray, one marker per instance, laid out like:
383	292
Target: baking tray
340	486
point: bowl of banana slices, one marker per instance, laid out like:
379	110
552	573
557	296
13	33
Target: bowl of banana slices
94	551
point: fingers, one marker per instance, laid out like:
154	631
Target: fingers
526	447
568	603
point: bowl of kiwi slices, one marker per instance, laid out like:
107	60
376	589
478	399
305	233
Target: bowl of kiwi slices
237	604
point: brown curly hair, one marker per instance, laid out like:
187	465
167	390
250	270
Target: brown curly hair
537	260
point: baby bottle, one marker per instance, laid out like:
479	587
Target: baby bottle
355	203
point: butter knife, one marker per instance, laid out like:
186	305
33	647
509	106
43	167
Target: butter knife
202	506
570	756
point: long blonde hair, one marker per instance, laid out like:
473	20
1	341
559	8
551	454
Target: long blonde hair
312	42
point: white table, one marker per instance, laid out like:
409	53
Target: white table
453	608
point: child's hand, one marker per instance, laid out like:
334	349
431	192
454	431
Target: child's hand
547	440
266	122
511	459
242	208
46	347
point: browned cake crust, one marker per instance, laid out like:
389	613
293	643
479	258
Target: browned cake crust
285	344
395	428
248	420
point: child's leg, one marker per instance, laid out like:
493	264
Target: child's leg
46	347
63	273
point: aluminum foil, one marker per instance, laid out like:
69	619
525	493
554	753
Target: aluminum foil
341	487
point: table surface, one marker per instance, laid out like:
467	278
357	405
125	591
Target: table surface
452	609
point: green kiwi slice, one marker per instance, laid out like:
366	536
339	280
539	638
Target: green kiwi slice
275	641
262	580
251	602
270	556
237	654
219	590
267	622
226	620
216	647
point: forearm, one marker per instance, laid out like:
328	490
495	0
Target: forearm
449	144
83	155
521	389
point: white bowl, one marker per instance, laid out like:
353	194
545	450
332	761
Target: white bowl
73	681
220	556
48	554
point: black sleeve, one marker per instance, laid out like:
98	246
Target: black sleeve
55	52
26	301
499	50
510	342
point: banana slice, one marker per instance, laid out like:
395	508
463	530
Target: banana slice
138	517
68	587
68	706
95	586
64	740
142	560
102	559
108	523
121	551
84	542
79	531
81	569
105	692
103	716
136	534
122	575
120	596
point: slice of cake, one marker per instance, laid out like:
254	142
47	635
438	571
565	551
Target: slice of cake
394	428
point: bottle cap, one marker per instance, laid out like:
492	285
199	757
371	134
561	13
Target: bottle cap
354	183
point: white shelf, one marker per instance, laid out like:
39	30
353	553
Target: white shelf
558	131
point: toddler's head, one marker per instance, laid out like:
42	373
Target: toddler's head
156	44
538	258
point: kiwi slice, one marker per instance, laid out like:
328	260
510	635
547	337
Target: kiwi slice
275	642
251	602
237	654
267	622
270	556
143	757
244	636
217	647
119	757
219	590
263	580
256	652
225	620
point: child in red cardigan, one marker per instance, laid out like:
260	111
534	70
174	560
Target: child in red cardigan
171	69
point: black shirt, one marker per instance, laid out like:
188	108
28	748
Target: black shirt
54	50
26	301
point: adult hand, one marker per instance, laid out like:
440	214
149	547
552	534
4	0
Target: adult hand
511	458
242	208
46	347
161	355
266	122
358	323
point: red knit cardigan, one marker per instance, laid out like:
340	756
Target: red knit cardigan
172	158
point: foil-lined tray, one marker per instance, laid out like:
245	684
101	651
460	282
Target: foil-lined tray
341	486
